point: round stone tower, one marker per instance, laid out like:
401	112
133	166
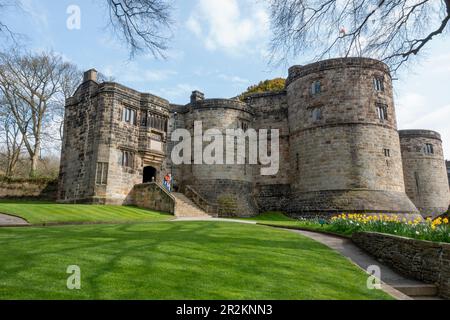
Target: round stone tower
229	186
424	170
344	146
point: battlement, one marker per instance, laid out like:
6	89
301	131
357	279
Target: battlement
420	133
339	148
299	71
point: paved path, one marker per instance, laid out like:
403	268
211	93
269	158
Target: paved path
348	249
9	221
391	280
212	220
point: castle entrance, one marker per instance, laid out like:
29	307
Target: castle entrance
149	174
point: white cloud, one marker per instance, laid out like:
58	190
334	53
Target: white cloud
229	25
234	79
178	91
132	72
37	12
413	112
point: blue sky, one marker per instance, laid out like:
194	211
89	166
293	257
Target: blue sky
220	48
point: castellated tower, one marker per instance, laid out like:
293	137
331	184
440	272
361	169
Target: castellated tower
425	171
344	145
339	148
227	186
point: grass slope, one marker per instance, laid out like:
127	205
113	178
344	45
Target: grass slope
47	213
175	260
281	220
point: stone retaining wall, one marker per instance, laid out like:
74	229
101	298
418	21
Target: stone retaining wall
422	260
29	189
151	196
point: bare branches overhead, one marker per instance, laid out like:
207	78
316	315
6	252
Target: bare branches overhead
143	24
389	30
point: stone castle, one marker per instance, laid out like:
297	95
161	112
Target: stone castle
340	150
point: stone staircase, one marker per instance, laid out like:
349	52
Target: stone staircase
418	291
185	207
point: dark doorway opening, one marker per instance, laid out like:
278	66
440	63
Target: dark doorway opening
149	174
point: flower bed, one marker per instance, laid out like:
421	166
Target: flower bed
437	230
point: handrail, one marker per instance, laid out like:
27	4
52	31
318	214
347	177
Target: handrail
161	187
204	204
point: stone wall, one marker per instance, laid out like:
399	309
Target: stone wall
422	260
151	196
29	189
447	165
425	172
229	186
338	142
271	112
96	135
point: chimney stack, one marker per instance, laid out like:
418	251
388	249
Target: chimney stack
90	75
197	96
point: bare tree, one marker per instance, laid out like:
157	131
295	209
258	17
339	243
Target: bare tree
11	140
143	24
390	30
4	29
32	85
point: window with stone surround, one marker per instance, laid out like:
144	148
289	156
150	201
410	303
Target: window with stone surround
129	115
144	118
126	159
382	111
387	153
316	114
429	149
243	124
157	122
378	84
316	87
101	176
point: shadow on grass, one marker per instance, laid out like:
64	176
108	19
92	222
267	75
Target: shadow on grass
189	260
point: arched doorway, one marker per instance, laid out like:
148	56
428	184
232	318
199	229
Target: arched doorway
149	174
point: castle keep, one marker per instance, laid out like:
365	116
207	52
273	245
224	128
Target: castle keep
340	150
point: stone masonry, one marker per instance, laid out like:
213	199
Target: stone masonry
447	165
339	145
422	260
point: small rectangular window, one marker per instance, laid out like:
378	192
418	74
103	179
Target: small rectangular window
429	149
378	84
126	159
316	88
244	125
387	153
316	114
129	115
382	112
101	177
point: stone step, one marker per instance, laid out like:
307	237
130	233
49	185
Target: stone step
418	290
185	207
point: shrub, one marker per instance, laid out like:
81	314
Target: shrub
274	85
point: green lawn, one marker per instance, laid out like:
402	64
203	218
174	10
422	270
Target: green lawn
174	260
39	213
281	220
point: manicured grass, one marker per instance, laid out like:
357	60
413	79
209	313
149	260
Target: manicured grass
47	213
345	225
175	260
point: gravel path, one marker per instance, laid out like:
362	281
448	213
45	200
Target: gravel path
9	221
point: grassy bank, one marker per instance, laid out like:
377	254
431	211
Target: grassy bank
39	213
175	260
